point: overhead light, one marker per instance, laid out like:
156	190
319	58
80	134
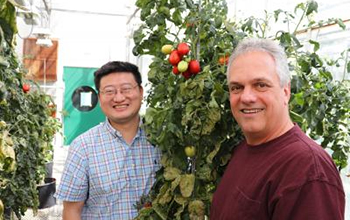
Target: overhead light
41	31
43	35
44	42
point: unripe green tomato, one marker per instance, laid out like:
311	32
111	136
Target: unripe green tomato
166	49
182	66
2	124
1	208
190	151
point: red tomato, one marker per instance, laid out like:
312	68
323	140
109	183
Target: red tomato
176	70
187	74
194	66
183	49
147	205
174	58
25	88
222	60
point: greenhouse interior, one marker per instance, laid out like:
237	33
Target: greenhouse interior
53	110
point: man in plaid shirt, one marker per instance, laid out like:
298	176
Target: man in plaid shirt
112	165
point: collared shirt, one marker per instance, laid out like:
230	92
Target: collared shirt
107	173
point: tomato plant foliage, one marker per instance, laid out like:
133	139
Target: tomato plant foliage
196	112
26	126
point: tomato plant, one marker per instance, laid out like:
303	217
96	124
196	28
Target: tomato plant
194	110
187	111
26	126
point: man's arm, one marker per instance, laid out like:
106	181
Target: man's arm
72	210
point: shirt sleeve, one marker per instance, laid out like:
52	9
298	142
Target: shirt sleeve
314	200
74	181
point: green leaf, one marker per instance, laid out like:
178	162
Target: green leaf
276	14
311	7
299	6
316	45
297	44
138	35
197	208
160	212
150	114
176	16
175	183
213	116
187	185
286	39
341	24
190	4
165	11
171	173
180	199
166	197
145	13
296	117
181	209
8	22
142	3
218	22
145	212
212	154
204	173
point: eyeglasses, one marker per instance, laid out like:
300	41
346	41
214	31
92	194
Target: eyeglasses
112	91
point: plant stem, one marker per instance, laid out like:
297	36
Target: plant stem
301	19
345	64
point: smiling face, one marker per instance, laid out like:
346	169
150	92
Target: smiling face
120	108
258	102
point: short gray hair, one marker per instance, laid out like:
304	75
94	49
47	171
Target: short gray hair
265	45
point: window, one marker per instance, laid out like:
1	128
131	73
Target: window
41	62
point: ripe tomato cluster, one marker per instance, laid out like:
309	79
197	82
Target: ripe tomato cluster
181	63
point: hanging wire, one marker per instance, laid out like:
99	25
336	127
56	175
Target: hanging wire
31	25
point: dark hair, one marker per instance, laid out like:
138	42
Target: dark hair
117	67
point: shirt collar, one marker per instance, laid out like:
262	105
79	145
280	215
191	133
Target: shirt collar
115	133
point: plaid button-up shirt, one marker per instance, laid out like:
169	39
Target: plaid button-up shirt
107	173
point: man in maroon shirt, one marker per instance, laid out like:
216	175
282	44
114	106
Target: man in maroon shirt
277	172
